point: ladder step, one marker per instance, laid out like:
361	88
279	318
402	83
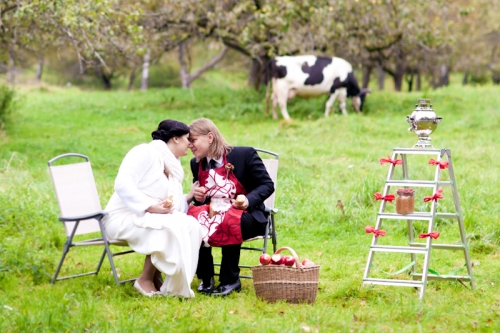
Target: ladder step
414	216
413	151
418	183
440	246
418	216
447	215
401	249
394	282
437	277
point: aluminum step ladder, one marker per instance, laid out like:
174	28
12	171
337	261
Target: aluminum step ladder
419	280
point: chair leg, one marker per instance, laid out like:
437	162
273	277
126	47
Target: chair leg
111	262
100	261
266	234
67	246
273	234
108	251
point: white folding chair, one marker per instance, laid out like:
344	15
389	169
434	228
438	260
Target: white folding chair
81	211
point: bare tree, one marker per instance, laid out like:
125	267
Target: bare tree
186	77
145	70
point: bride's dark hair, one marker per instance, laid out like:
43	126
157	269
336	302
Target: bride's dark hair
168	129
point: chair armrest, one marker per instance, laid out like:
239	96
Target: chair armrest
97	215
271	210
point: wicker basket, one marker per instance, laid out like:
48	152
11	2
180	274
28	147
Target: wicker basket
292	284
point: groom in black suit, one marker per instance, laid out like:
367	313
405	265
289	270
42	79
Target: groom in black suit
207	144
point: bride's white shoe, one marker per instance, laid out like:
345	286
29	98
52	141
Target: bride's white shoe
143	292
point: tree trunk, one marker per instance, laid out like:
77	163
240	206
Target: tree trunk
419	81
145	70
495	74
465	79
11	71
409	80
183	71
186	77
39	68
254	76
131	78
381	77
399	74
257	75
399	71
444	76
496	77
434	82
366	76
106	78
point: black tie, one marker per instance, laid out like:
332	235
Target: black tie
212	164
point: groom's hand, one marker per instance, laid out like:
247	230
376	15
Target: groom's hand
241	205
199	193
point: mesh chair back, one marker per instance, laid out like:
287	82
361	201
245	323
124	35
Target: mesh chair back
272	170
77	194
271	165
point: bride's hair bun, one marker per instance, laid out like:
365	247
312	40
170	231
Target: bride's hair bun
168	129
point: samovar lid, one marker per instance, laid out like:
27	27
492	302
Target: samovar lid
423	104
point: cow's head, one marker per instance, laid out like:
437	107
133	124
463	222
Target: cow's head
359	99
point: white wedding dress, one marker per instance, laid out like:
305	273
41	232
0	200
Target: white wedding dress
172	240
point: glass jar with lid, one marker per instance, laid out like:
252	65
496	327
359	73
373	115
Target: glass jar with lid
405	201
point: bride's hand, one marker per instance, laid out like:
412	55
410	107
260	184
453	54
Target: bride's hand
190	195
159	209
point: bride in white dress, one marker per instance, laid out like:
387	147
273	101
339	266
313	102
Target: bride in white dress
149	176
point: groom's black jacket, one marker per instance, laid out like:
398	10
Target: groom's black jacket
251	173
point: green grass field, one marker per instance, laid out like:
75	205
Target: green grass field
322	160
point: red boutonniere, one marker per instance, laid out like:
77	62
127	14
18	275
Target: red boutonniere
229	167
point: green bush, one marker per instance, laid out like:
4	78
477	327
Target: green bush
6	102
479	79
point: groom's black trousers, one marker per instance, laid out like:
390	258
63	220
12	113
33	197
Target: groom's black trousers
229	270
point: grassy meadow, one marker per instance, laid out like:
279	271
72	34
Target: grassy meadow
329	170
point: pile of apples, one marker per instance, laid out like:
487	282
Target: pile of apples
277	259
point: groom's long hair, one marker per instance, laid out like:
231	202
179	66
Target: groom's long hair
204	126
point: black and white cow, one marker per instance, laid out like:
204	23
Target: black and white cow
310	76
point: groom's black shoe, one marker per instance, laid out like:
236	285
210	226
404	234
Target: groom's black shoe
226	289
206	286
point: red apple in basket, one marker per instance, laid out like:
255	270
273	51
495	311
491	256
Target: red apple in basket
265	259
308	263
276	259
289	261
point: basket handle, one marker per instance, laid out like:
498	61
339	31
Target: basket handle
294	254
